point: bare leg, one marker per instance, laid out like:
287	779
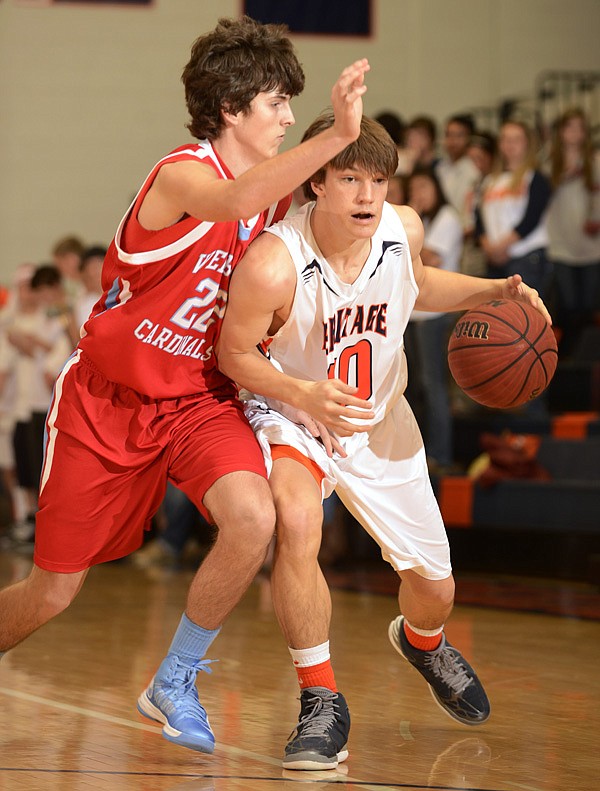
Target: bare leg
425	603
242	507
32	602
300	594
303	606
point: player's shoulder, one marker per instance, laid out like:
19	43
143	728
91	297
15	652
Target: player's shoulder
294	223
192	158
413	227
267	267
269	252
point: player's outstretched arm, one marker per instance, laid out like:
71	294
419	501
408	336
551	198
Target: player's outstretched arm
262	287
451	291
193	188
448	292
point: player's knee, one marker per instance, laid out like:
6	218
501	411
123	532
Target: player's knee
431	593
299	529
439	593
55	596
253	524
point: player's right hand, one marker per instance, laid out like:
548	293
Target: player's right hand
514	288
346	99
334	403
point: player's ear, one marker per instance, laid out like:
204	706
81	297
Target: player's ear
230	118
318	188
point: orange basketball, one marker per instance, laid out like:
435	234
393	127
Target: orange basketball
502	353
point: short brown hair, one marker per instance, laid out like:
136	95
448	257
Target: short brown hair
374	150
233	63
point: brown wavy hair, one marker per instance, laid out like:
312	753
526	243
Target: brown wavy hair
233	63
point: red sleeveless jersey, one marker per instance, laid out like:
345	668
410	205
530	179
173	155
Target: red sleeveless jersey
165	292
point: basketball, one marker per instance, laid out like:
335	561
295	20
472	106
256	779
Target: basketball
502	353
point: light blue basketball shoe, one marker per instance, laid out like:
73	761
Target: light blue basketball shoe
172	698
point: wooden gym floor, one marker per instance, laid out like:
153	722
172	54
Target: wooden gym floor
69	722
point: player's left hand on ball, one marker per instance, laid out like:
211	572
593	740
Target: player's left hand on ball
516	289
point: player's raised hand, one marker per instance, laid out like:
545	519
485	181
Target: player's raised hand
334	403
346	99
515	288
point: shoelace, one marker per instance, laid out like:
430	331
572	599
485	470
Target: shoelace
322	717
181	678
446	666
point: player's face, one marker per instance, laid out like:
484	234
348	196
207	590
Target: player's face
261	130
353	198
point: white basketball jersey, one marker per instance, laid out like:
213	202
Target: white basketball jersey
353	332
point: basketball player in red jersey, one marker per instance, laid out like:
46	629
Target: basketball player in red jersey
333	288
141	401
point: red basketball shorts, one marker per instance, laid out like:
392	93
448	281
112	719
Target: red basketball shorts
108	453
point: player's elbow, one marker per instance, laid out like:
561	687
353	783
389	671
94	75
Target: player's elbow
226	360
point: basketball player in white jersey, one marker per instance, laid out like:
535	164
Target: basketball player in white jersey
332	288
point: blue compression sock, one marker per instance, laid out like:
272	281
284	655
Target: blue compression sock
191	642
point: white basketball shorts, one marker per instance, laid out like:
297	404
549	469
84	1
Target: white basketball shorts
383	482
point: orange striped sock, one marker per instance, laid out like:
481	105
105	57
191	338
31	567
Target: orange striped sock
423	639
320	675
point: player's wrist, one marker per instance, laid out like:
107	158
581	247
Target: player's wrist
337	139
300	394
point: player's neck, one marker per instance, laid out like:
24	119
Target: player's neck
237	158
346	257
345	254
